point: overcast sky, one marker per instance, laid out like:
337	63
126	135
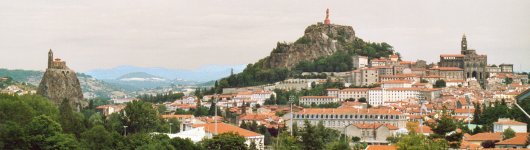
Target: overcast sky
190	34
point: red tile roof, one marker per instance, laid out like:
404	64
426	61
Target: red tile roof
497	136
225	128
381	147
519	139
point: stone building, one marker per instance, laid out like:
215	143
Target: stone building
474	64
359	61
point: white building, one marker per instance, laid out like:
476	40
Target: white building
360	61
348	93
397	84
380	96
338	118
308	100
505	123
250	136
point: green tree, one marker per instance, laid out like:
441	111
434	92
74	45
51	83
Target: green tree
439	84
71	122
420	142
355	139
252	146
508	80
97	138
508	133
338	145
47	134
140	116
184	144
286	142
310	138
362	100
225	141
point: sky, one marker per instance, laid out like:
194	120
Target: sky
190	34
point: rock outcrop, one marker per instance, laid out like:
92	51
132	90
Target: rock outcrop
318	40
59	83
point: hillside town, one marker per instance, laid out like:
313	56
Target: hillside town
328	90
379	99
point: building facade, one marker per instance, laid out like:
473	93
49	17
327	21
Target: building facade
474	64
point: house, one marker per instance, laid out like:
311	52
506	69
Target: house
505	123
519	141
219	128
478	138
371	132
109	109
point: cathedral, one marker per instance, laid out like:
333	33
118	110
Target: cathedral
474	64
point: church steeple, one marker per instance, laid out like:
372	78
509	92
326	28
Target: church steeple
50	58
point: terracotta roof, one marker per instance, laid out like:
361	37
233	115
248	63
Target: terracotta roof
468	145
451	55
225	128
426	129
464	110
485	136
177	116
375	125
396	81
510	122
519	139
348	111
381	147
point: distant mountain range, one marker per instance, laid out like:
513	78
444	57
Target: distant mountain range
203	74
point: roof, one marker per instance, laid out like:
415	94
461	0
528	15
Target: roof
509	122
448	69
225	128
519	139
381	147
464	110
451	55
177	116
497	136
396	81
349	111
375	125
467	145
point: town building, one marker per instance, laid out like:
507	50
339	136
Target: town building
212	129
473	64
309	100
338	118
348	93
505	123
359	61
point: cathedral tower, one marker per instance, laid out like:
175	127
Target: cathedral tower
464	43
50	58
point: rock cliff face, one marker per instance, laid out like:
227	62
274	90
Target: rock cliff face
60	84
318	40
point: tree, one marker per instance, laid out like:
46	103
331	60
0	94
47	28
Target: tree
508	133
225	141
310	138
424	81
508	80
252	146
47	134
184	144
140	116
71	121
97	138
338	145
446	128
419	141
286	142
488	144
355	139
439	84
362	100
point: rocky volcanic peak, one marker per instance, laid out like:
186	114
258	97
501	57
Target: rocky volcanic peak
60	84
318	40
